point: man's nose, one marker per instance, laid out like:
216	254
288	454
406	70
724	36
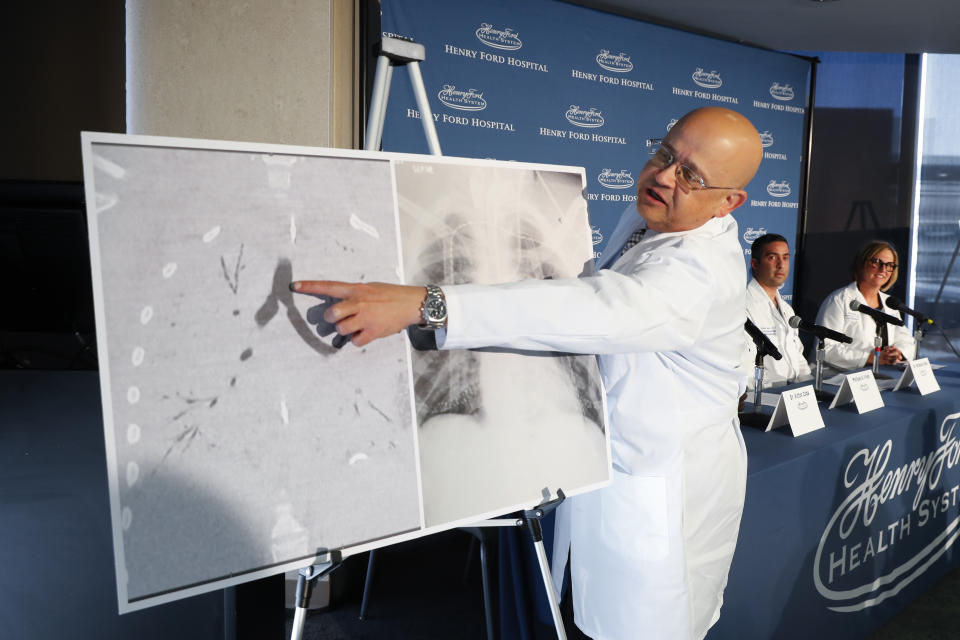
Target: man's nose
667	175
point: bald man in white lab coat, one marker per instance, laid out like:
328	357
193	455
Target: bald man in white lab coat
650	553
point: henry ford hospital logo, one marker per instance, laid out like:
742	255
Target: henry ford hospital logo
752	234
584	117
498	38
615	180
893	524
766	139
706	80
781	91
619	63
596	236
469	100
778	189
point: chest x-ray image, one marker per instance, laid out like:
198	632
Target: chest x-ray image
497	429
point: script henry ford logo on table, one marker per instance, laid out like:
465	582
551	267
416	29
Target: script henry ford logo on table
898	517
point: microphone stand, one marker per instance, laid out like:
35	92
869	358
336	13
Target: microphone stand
877	342
758	380
822	396
917	335
877	345
757	418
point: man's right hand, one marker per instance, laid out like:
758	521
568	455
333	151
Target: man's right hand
367	312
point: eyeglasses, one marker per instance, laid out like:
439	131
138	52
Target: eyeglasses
687	178
880	265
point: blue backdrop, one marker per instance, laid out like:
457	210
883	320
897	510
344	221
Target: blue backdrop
546	81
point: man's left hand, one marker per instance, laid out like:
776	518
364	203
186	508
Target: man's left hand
367	312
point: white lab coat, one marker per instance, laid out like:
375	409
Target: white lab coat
835	313
650	553
774	323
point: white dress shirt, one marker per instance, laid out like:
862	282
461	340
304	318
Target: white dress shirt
773	320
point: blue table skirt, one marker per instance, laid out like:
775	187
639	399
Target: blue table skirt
845	526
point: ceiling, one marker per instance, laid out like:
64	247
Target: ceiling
891	26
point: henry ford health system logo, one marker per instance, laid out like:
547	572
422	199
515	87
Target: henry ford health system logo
752	234
615	179
781	91
855	567
498	38
619	63
584	117
596	235
778	189
469	100
706	80
766	139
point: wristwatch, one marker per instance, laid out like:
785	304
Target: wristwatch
433	309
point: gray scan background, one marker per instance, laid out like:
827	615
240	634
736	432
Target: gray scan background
241	439
499	430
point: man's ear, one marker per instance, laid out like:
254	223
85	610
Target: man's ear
731	201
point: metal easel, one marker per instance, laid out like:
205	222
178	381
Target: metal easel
398	53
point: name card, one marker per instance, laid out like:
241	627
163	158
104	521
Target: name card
798	409
921	372
861	389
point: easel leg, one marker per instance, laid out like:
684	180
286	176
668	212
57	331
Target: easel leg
533	524
367	583
487	601
305	589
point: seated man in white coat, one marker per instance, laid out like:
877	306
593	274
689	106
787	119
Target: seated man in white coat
650	553
766	308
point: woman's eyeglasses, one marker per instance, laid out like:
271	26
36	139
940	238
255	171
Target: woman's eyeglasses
880	265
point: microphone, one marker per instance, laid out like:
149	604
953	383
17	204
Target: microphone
897	305
764	345
879	316
821	332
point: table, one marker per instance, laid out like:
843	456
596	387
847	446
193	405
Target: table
844	526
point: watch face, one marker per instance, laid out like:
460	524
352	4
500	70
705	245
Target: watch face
436	308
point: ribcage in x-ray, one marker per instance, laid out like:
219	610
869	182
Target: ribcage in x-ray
506	249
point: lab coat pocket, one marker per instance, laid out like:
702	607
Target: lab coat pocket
633	516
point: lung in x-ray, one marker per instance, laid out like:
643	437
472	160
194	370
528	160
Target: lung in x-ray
498	428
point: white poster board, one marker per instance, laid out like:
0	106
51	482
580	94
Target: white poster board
240	442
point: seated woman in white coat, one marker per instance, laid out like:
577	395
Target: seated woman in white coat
874	271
